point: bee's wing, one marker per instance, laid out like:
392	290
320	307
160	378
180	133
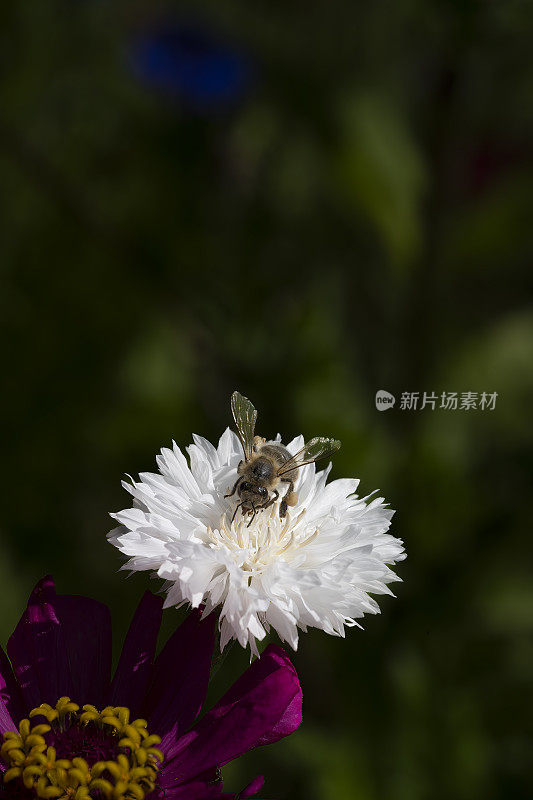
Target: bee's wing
245	417
316	448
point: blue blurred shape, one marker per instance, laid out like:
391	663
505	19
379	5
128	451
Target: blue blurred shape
191	64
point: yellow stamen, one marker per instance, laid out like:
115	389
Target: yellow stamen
131	776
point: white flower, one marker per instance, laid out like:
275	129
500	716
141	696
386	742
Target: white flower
315	568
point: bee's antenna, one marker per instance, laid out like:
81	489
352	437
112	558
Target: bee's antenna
253	515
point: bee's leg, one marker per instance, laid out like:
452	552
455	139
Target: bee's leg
235	512
290	498
234	488
272	499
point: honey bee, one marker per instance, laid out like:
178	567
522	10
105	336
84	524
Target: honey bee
267	464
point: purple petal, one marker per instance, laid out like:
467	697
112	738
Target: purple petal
180	679
61	646
86	626
261	707
9	690
6	721
32	645
197	790
253	787
136	660
291	719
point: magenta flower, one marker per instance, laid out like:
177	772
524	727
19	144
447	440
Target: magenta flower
70	731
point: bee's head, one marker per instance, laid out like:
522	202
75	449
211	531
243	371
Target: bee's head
251	494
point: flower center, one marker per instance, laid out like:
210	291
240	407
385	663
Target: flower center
80	755
267	539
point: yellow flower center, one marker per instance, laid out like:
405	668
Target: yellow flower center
81	755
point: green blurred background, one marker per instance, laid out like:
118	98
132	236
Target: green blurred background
355	215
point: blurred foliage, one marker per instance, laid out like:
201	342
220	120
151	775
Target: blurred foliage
357	219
